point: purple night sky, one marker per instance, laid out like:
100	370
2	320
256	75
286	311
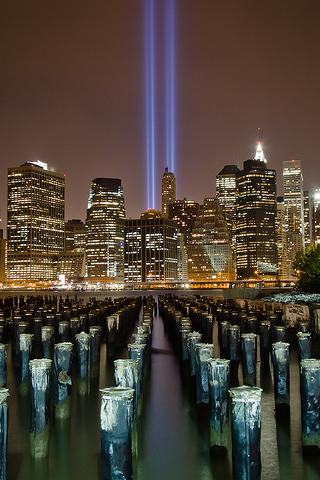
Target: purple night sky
72	90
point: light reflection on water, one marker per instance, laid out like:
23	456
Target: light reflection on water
173	431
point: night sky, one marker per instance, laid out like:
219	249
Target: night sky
72	90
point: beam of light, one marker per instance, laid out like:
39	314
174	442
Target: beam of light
170	83
150	101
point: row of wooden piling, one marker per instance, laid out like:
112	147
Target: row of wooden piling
121	405
43	367
214	373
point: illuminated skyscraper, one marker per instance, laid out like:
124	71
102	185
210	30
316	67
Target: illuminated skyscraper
226	189
151	249
72	261
308	215
316	216
210	253
105	230
3	257
184	213
256	220
35	228
168	191
75	235
294	207
283	269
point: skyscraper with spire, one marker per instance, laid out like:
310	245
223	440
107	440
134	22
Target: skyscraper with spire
256	245
168	191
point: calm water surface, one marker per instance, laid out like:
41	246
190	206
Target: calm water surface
173	431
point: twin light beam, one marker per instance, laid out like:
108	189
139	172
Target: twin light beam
150	93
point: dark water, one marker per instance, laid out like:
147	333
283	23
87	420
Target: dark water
173	431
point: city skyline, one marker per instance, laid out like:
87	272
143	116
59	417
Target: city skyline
80	109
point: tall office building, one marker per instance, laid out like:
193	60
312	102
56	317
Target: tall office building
316	216
294	207
72	261
35	227
308	215
151	250
256	219
3	257
226	190
210	253
168	191
184	213
105	230
283	268
75	235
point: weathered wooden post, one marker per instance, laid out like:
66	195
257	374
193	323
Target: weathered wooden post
62	370
3	433
116	419
219	384
40	394
246	432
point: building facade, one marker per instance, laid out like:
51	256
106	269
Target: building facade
151	250
3	257
184	213
35	226
168	191
226	190
308	218
316	216
210	253
72	262
105	231
75	235
283	266
294	207
256	245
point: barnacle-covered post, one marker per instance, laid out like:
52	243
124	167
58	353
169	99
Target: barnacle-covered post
279	333
95	340
219	384
62	377
203	351
265	339
234	343
310	401
304	345
193	338
126	374
249	358
40	370
280	359
3	433
63	331
25	350
234	352
3	366
83	359
246	432
47	338
116	419
223	338
184	331
137	352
